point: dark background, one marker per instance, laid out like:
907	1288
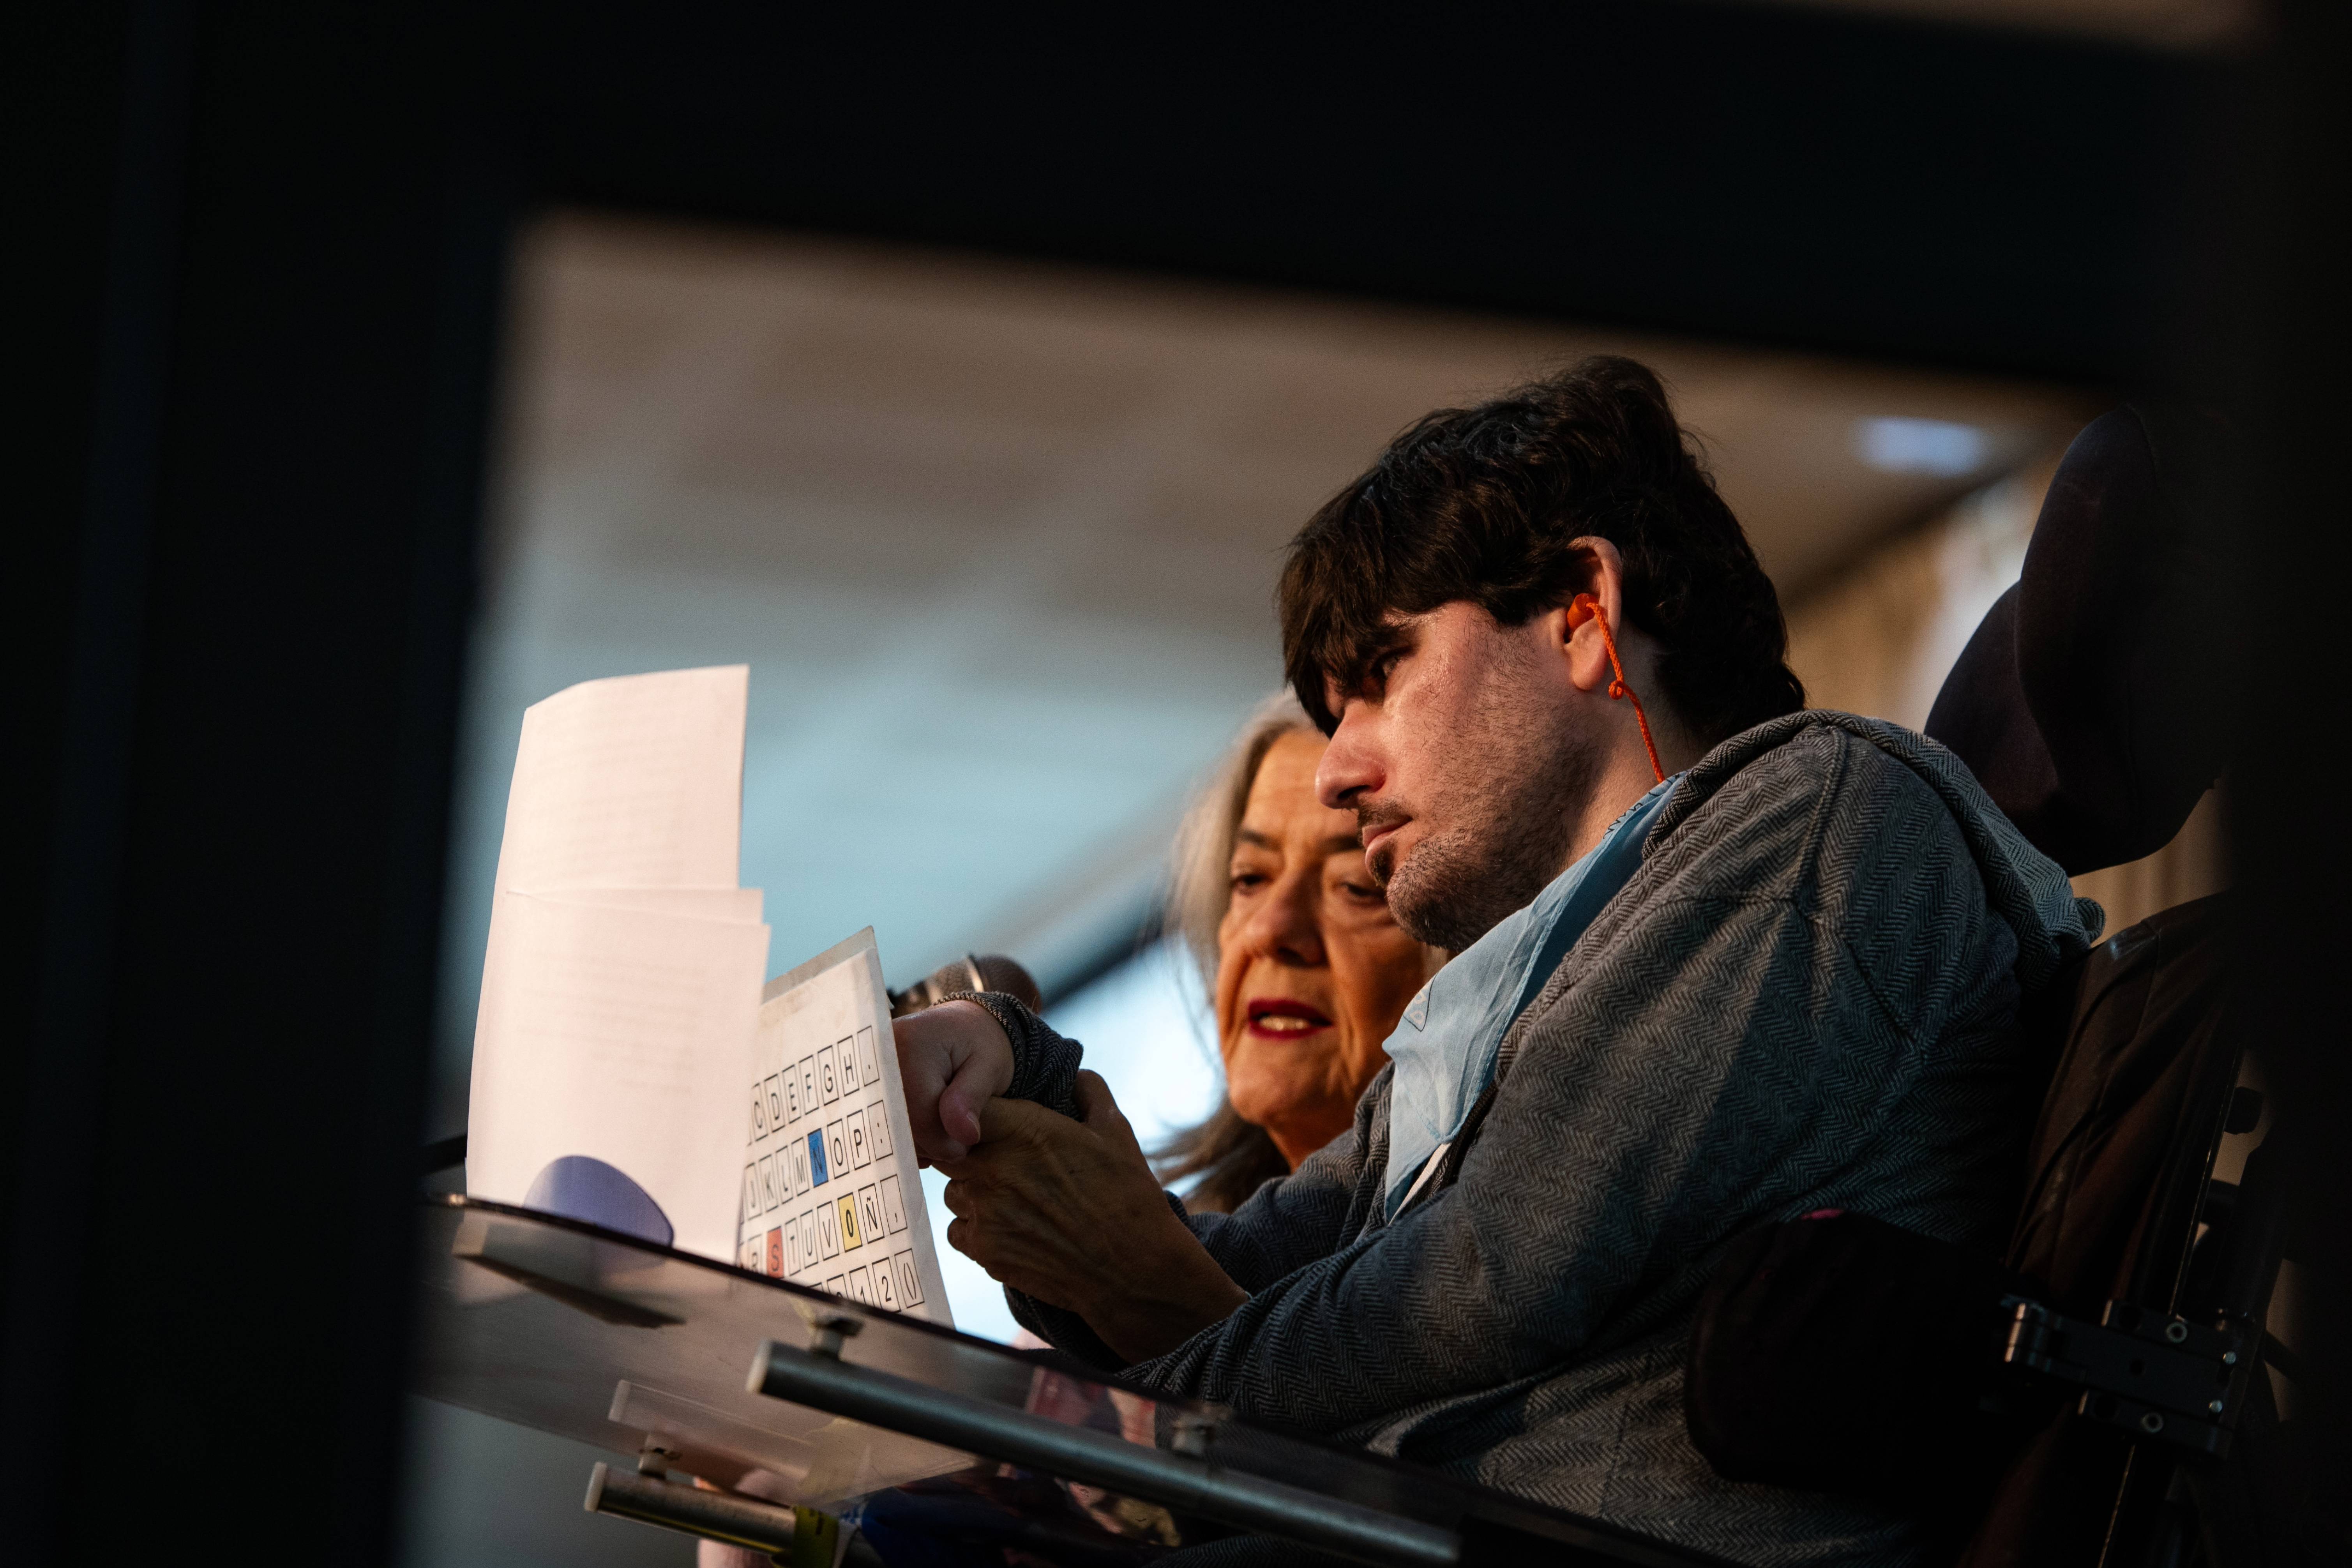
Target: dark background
256	345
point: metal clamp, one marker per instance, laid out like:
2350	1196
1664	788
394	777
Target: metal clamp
828	1335
2149	1374
715	1516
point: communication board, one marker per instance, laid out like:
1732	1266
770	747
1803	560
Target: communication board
831	1197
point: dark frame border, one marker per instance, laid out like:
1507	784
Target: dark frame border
262	344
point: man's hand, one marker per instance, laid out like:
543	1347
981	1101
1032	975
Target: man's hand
952	1061
1070	1213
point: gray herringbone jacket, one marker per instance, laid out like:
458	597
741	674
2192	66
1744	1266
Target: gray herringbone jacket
1805	998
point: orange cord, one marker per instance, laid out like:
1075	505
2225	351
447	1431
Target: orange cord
1585	607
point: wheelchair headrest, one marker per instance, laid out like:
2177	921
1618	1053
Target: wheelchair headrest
2092	702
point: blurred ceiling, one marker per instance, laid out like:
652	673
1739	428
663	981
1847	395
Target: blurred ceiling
901	419
999	540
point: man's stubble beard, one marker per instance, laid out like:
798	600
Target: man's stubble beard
1514	826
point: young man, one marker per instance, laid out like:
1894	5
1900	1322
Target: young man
1720	961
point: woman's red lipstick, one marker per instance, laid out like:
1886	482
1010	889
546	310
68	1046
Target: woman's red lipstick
1297	1018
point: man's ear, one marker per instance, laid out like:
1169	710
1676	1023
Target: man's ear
1588	652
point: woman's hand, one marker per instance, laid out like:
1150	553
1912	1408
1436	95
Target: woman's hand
952	1061
1070	1213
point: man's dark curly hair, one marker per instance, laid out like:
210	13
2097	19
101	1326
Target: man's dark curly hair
1480	504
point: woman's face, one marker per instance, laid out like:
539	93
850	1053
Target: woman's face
1311	971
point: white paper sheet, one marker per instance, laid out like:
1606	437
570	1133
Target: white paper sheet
830	1196
621	1037
636	782
620	987
736	904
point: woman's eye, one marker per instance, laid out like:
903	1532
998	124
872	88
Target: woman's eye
1243	880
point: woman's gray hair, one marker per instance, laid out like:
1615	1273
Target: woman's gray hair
1231	1157
1200	885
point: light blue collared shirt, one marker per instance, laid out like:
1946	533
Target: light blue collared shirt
1444	1046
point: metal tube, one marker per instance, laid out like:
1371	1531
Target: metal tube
1097	1458
717	1516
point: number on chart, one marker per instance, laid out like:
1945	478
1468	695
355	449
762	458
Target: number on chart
910	1286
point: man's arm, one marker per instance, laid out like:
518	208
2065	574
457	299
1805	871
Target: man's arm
1712	1055
972	1048
1069	1213
1584	1162
1070	1209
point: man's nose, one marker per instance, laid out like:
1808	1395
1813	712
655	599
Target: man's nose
1288	924
1349	767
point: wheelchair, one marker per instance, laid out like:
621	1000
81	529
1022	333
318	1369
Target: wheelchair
2121	1388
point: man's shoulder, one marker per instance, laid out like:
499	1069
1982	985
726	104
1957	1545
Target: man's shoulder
1816	755
1808	791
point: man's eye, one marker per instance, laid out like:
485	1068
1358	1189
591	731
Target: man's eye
1384	670
1244	880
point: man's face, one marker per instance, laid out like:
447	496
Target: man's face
1463	761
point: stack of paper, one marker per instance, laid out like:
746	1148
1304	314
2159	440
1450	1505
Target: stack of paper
621	985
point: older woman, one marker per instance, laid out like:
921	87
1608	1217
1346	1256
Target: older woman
1295	941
